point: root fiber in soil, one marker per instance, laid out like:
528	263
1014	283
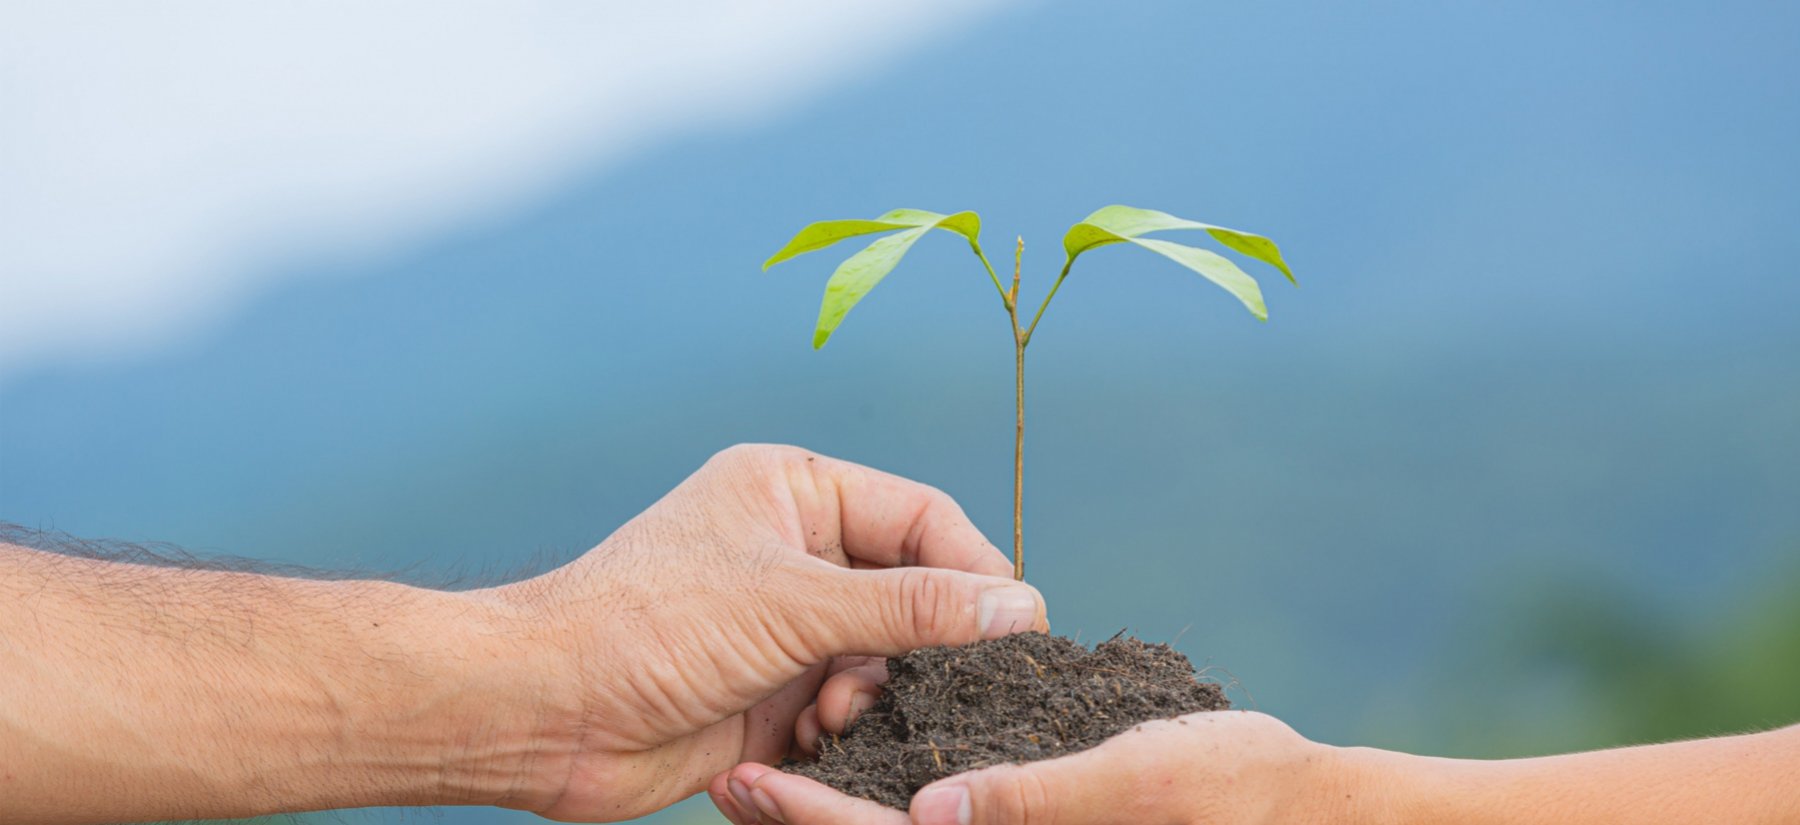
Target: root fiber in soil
1022	698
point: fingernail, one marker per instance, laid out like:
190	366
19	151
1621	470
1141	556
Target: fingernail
741	795
766	803
1004	610
942	805
859	702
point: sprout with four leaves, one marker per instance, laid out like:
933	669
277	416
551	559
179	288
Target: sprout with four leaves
1113	224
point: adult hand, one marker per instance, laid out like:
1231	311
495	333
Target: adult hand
1221	768
692	638
686	642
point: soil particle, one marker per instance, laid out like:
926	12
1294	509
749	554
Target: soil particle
1022	698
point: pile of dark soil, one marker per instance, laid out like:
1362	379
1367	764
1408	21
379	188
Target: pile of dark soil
1018	699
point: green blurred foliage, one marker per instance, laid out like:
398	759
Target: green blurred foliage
1588	662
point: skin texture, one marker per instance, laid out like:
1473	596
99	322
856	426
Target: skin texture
1244	768
691	639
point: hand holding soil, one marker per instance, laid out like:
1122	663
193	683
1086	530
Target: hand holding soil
696	633
686	642
1229	768
1246	768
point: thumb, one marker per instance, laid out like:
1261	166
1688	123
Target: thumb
890	612
1125	779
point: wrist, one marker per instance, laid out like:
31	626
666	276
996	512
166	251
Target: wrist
465	697
512	711
1380	787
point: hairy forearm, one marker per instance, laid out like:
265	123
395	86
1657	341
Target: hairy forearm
132	692
1744	779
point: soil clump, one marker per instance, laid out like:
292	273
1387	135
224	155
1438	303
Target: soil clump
1022	698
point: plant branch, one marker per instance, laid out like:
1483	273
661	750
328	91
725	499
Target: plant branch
991	275
1051	294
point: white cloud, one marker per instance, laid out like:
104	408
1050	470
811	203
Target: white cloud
156	159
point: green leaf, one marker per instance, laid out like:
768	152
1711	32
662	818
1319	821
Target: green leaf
859	274
1216	268
825	233
1256	246
822	234
1130	222
966	224
1124	224
862	271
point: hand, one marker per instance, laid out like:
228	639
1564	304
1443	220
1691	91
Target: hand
1221	768
692	638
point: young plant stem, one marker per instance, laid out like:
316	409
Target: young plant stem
1020	338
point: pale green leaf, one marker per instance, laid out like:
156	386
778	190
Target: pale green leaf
1112	224
1130	222
966	224
1085	236
822	234
1216	268
825	233
912	217
1126	224
862	271
1256	246
859	274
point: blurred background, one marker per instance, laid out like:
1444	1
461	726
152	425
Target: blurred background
447	290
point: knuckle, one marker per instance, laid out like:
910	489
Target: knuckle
938	502
936	496
1037	803
1017	796
739	455
756	465
928	599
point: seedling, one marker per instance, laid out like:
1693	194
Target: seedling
1113	224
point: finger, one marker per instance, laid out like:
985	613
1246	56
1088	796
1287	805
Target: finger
875	517
796	800
846	695
720	792
843	663
807	731
769	726
892	521
1129	778
835	612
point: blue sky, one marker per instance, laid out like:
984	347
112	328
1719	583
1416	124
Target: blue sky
1545	330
